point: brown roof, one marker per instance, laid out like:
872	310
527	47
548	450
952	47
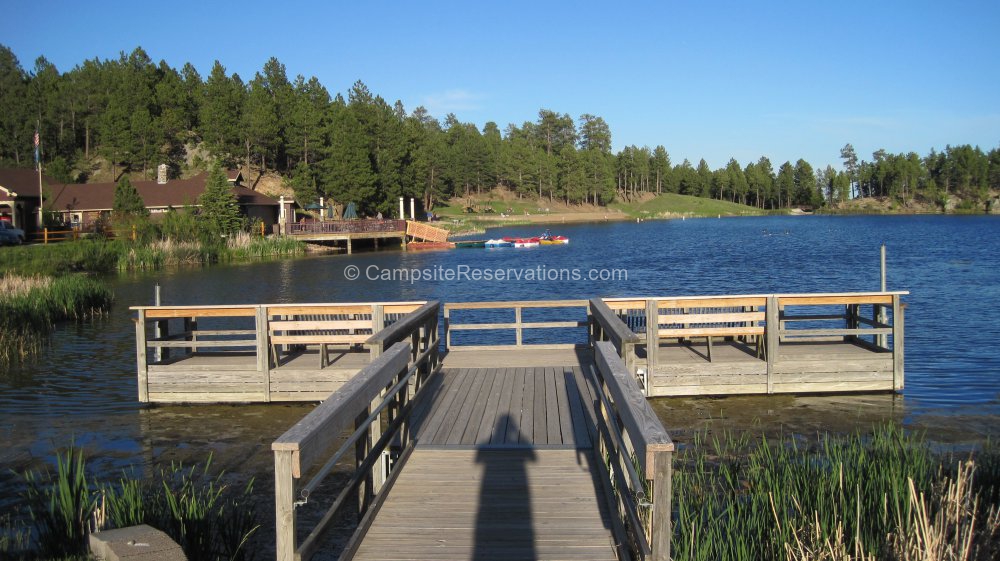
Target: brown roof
175	193
22	181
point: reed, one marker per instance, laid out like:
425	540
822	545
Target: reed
31	305
61	505
849	497
211	520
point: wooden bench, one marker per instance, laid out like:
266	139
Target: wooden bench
346	325
727	317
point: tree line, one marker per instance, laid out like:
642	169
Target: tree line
135	114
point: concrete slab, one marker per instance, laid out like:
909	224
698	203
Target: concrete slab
135	543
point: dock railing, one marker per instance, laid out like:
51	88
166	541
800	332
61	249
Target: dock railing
518	326
873	320
606	325
867	319
377	403
635	456
257	331
345	227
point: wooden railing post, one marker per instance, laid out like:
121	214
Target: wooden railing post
378	318
517	320
660	526
140	356
284	505
772	328
45	236
897	342
447	331
652	333
264	350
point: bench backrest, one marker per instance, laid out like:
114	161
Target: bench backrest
350	324
710	317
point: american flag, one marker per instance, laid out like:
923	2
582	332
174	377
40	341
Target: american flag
37	142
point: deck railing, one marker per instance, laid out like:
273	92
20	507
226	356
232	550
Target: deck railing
377	403
868	319
518	326
606	325
346	227
259	330
637	456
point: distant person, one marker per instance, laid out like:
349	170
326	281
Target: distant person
379	215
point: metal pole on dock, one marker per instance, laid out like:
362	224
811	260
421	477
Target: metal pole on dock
882	339
158	326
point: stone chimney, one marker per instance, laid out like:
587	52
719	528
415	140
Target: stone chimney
161	174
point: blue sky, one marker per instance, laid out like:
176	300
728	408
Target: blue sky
704	79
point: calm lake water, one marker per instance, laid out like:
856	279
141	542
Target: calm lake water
83	387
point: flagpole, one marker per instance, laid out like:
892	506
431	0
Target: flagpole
38	164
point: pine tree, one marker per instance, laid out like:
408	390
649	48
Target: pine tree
127	202
220	210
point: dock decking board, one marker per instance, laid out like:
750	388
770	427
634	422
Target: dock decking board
505	407
492	504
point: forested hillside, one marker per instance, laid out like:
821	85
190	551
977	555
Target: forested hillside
131	114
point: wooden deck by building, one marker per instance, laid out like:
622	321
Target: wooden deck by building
374	230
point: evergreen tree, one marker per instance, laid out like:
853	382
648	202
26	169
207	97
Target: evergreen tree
220	111
127	201
220	211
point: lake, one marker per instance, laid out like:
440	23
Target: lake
83	386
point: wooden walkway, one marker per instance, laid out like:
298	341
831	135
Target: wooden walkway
503	469
514	504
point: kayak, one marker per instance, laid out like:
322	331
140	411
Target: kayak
471	243
553	240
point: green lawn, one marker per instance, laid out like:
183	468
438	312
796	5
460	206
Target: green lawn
672	203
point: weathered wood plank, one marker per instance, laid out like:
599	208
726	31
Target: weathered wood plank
581	434
318	309
492	421
730	317
478	416
675	333
516	420
201	312
539	433
459	421
553	432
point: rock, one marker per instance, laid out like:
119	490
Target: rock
993	206
950	204
135	543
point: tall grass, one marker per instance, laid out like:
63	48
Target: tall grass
841	498
30	306
209	519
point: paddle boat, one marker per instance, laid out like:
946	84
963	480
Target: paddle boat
523	242
499	243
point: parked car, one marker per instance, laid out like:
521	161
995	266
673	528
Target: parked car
9	235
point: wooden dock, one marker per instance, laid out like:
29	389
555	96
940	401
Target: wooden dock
529	434
374	230
520	462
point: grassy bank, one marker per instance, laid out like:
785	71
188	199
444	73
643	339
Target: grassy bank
672	204
106	256
210	519
862	497
31	305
